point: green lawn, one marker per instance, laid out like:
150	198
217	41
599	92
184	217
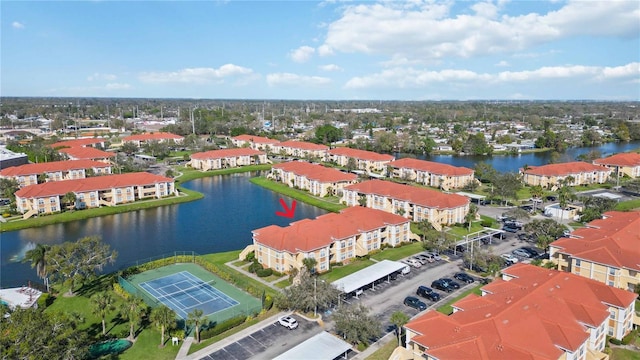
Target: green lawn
399	253
384	352
624	354
190	174
297	194
447	308
628	205
339	272
283	283
462	231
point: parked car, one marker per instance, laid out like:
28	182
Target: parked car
451	283
428	293
419	259
509	258
464	277
521	253
426	258
405	270
288	322
533	252
441	285
552	198
514	223
415	303
436	256
510	229
460	249
413	262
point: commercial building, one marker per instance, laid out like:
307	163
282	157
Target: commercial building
443	176
28	174
9	158
623	164
368	161
314	178
227	158
551	176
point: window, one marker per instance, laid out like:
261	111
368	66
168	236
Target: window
612	271
610	331
323	253
323	266
343	244
578	262
610	283
612	314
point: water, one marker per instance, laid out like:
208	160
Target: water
511	163
222	221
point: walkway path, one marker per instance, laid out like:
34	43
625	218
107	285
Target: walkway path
253	276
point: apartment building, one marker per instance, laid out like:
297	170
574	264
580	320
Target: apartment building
227	158
368	161
85	142
87	153
93	192
301	150
606	250
329	238
411	202
622	164
314	178
142	139
443	176
531	313
255	142
28	174
550	176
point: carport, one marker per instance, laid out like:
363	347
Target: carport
478	198
369	275
322	346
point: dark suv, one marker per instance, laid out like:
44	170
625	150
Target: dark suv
442	285
464	277
428	293
415	303
451	283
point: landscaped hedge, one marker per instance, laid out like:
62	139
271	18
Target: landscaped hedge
222	327
264	272
629	338
615	341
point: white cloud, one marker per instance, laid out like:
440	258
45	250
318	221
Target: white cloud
502	63
288	79
99	76
302	54
325	50
196	75
17	25
330	67
117	86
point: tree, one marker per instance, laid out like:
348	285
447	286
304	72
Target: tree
157	149
133	309
565	192
536	192
165	319
326	134
73	262
506	185
545	231
351	164
485	172
310	263
42	178
69	199
310	294
399	319
594	207
38	259
517	213
471	215
196	319
355	324
102	304
129	148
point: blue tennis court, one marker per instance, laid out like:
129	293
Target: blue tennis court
184	292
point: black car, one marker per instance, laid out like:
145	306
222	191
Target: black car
451	283
532	251
415	303
510	229
428	293
442	285
464	277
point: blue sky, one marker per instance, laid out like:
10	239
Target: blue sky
332	50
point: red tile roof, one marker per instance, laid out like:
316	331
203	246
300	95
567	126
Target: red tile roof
431	167
153	136
303	145
415	195
255	139
86	153
77	142
308	235
625	159
613	241
315	172
226	153
54	188
529	317
39	168
360	154
562	169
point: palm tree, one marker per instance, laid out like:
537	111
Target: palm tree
38	259
196	319
399	319
102	304
537	192
133	310
471	215
165	319
310	264
565	193
69	198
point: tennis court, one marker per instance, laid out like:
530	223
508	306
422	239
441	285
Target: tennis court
184	292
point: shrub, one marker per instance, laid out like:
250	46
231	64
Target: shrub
339	263
250	256
255	267
264	272
615	341
268	302
486	222
276	273
179	333
45	300
222	327
629	338
121	292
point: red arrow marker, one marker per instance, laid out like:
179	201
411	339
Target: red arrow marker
287	212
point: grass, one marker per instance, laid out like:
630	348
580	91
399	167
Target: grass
462	231
297	194
624	354
628	205
494	222
191	174
283	283
448	309
384	352
399	253
338	272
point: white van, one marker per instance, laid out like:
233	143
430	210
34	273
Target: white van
405	270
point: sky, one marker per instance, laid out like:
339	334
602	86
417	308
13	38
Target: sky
330	50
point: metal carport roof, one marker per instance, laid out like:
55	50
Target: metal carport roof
320	347
367	275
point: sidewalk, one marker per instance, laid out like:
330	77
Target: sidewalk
253	276
375	346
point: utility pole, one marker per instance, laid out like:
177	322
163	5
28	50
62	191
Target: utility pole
193	123
315	301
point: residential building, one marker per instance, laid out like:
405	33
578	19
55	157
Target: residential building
301	150
28	174
623	164
255	142
606	250
227	158
9	158
142	139
531	313
550	176
329	238
443	176
84	142
367	161
411	202
87	153
316	179
93	192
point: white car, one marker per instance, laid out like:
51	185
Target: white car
509	257
436	256
288	322
413	262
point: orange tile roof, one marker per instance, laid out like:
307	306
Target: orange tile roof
360	154
529	317
77	142
39	168
315	172
431	167
255	139
308	235
625	159
415	195
153	136
613	241
295	144
562	169
106	182
226	153
86	153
